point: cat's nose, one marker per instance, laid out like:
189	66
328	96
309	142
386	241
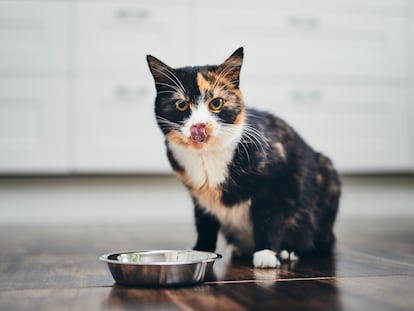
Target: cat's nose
198	132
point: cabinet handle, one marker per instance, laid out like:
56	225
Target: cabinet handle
304	23
306	96
123	92
125	14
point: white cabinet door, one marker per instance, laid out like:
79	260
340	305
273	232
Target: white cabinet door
117	35
306	41
116	129
115	123
33	126
360	128
33	37
411	84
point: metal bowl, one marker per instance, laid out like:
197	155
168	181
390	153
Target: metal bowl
160	267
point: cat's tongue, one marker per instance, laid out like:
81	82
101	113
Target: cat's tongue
198	132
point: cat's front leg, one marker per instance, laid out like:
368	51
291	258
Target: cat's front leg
207	229
268	227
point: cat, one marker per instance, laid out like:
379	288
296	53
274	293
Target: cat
250	175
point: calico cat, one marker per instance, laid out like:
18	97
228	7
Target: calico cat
251	176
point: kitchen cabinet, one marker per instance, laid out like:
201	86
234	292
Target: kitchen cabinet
116	129
34	97
33	37
336	71
410	64
115	123
34	136
117	35
76	95
360	128
306	41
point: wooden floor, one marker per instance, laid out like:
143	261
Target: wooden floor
56	268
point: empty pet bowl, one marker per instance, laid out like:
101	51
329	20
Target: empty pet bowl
160	267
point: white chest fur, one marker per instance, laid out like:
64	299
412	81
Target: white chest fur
204	168
204	172
236	221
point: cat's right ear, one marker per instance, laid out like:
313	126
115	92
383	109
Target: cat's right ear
160	71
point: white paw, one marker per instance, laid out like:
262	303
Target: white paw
265	259
293	257
286	256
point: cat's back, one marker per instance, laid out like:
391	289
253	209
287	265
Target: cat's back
277	138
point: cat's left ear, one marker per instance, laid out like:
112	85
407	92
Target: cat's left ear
230	69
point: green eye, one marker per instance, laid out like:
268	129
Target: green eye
216	104
181	105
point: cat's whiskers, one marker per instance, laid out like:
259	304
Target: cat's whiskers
176	89
181	86
251	135
172	77
225	85
164	92
172	125
224	73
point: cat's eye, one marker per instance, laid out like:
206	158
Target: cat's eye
216	104
181	105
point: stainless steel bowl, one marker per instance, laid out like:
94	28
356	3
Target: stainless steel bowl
160	267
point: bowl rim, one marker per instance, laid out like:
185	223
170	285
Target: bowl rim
105	258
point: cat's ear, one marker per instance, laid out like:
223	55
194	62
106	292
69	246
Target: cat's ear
232	66
160	71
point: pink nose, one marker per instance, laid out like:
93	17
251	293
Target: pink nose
198	132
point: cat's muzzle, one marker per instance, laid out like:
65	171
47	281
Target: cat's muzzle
198	132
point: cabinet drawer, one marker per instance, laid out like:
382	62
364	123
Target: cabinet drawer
33	126
117	35
360	128
372	7
306	41
116	129
33	36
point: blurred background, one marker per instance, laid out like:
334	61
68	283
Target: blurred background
78	139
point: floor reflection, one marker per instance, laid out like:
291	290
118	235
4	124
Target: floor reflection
237	269
124	298
308	281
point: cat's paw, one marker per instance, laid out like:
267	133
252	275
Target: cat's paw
265	259
286	256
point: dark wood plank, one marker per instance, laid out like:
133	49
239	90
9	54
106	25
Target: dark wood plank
385	238
203	298
56	267
366	293
96	298
67	256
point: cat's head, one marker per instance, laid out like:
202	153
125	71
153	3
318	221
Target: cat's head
199	107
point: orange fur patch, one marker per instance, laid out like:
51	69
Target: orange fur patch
280	150
319	179
176	137
292	220
202	83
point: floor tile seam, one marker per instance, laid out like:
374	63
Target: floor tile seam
270	281
247	281
11	289
301	279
